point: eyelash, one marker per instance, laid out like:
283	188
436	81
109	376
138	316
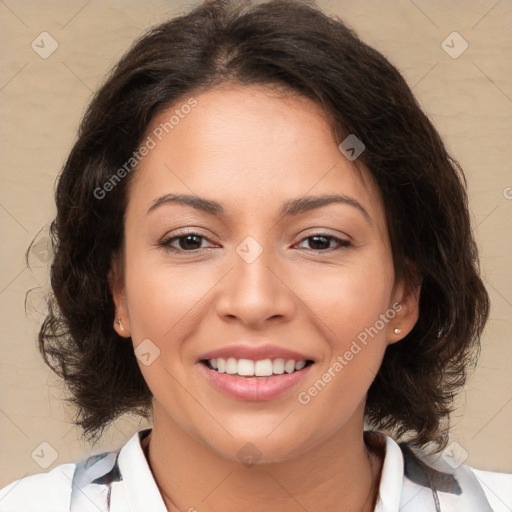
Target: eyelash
166	243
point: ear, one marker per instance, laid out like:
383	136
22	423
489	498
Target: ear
117	289
406	299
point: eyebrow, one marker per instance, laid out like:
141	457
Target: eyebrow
289	208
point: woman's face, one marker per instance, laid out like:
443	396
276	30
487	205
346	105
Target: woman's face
316	279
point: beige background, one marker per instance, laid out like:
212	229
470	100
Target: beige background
469	99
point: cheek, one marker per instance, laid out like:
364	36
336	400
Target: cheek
163	297
351	307
356	341
348	299
169	305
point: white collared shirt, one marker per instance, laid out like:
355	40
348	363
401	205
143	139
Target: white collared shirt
121	481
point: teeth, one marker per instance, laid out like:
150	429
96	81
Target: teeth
289	366
231	366
250	368
300	364
278	366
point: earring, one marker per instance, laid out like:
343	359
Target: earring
120	324
397	330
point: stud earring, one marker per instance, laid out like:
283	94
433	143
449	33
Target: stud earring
120	324
397	330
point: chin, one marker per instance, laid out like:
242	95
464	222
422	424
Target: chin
257	447
257	452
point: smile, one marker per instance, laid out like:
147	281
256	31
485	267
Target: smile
250	368
249	380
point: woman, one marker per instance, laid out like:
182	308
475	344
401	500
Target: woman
262	243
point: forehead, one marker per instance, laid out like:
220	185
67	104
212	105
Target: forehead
248	144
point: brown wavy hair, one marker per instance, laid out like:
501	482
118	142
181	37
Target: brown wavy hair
294	45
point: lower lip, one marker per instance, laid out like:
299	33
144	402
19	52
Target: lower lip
256	389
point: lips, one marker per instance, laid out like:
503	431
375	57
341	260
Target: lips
254	388
255	353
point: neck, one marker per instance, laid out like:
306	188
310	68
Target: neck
342	474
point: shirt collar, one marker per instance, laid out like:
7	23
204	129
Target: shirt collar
141	488
143	493
392	474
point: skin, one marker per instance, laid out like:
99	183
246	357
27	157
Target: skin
252	149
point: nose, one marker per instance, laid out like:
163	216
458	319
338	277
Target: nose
256	291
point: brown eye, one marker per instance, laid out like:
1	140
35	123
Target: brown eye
322	242
187	243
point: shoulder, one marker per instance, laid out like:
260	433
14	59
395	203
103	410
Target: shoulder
50	491
452	485
72	486
94	483
497	488
426	480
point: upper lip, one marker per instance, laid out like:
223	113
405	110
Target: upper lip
255	352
